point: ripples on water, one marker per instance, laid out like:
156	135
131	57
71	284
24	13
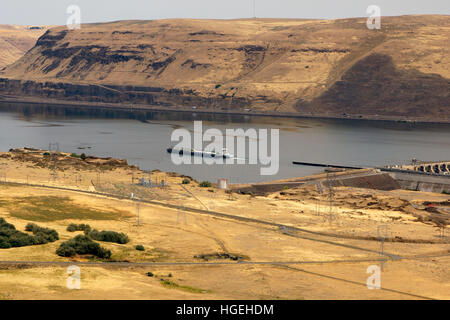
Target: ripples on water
143	136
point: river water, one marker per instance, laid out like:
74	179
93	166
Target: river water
143	137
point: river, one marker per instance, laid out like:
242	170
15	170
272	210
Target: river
142	138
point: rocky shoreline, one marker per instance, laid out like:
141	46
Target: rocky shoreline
128	106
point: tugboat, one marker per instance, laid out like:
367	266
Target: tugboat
182	151
225	154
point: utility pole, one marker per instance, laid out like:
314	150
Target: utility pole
4	168
382	232
181	214
330	195
138	209
53	149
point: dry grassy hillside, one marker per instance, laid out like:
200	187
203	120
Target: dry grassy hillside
15	41
310	67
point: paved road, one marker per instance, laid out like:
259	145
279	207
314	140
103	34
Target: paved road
153	264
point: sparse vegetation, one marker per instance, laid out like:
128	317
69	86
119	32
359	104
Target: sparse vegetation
79	227
44	209
220	256
43	234
205	184
186	181
172	285
140	247
82	244
10	237
109	236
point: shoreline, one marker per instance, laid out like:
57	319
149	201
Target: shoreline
183	109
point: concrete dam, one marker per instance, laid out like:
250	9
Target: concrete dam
442	167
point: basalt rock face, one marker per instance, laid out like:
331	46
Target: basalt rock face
305	67
153	96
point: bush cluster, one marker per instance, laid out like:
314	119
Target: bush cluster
81	156
205	184
140	247
82	244
11	238
44	235
79	227
109	236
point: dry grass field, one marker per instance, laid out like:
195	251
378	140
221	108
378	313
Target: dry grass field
15	41
305	255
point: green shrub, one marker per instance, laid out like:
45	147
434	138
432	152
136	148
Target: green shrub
10	237
4	244
74	155
140	247
6	225
46	154
66	250
186	181
218	86
109	236
82	244
19	239
44	235
205	184
83	156
79	227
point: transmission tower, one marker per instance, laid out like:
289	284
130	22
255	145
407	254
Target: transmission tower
138	209
331	194
53	149
138	212
181	214
3	170
78	179
320	191
382	232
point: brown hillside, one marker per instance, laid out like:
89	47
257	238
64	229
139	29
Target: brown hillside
15	41
309	67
